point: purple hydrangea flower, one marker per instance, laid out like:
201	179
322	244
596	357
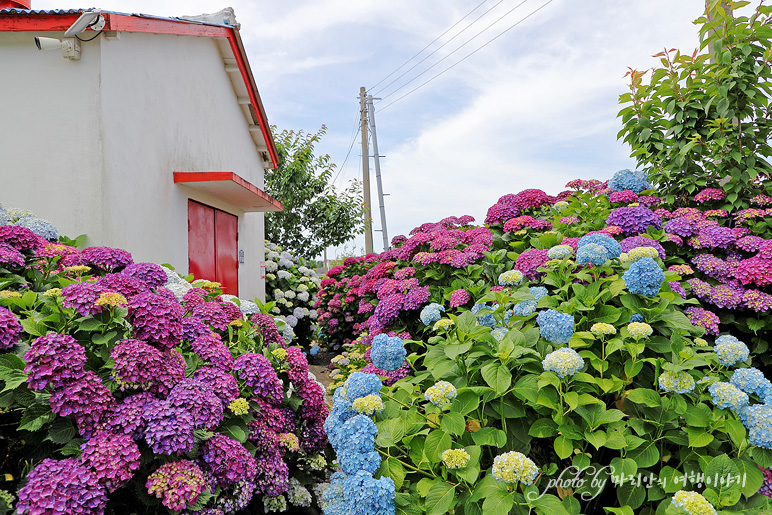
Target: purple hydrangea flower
123	284
151	274
227	460
313	405
416	297
258	373
222	383
391	376
127	416
199	400
53	359
265	324
193	328
237	498
642	241
168	429
634	220
703	318
298	366
178	484
64	486
20	238
114	458
86	400
529	261
139	365
272	475
156	319
10	329
211	313
213	351
757	301
388	309
82	297
106	258
459	297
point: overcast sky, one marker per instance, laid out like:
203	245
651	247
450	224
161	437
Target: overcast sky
533	109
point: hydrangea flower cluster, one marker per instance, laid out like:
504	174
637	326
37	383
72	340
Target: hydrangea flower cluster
459	297
10	329
693	503
431	313
726	395
454	459
555	327
65	486
388	353
677	382
639	330
178	484
591	254
564	362
634	219
513	467
441	394
644	277
730	350
634	181
613	248
510	278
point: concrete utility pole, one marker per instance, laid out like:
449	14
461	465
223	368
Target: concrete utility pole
366	172
377	158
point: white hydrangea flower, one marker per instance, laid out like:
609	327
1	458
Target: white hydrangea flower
271	266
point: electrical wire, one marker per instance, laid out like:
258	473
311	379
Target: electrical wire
430	44
467	56
357	125
457	49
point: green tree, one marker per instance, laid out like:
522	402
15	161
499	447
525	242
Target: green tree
316	215
702	119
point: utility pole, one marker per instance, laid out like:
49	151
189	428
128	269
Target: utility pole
377	157
366	172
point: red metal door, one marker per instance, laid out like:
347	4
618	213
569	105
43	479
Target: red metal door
226	248
201	247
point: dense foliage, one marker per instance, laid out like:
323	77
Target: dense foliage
588	360
316	215
127	389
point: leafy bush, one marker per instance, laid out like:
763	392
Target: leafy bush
117	397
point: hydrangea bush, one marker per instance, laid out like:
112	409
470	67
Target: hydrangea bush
603	366
291	284
127	389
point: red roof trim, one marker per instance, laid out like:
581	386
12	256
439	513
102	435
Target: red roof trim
21	21
198	177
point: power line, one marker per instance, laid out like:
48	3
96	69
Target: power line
468	55
457	49
436	49
430	44
354	132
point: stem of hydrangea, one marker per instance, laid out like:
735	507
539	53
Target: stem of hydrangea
408	407
432	475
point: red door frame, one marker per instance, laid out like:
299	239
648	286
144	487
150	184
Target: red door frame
213	245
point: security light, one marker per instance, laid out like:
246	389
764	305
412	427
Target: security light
90	19
70	47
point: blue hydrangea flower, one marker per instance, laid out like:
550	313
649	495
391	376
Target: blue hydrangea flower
524	308
555	327
42	228
726	395
730	350
431	313
592	254
752	381
538	292
636	317
487	319
360	384
366	495
358	434
634	181
388	353
564	362
644	277
758	420
611	245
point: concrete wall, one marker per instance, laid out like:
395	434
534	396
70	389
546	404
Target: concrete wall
50	133
92	144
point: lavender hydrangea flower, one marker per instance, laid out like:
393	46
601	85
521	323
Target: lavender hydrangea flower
634	219
151	274
156	319
223	384
168	429
10	329
642	241
127	416
199	400
64	486
272	475
114	458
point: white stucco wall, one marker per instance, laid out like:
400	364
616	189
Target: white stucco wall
50	126
92	144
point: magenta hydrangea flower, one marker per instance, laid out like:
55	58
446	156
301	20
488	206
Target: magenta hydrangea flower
298	366
266	325
459	297
227	460
195	296
623	197
199	400
262	436
113	458
21	238
634	219
530	260
709	194
211	349
258	374
9	256
749	243
755	270
53	359
142	366
391	377
168	429
568	220
10	329
151	274
211	313
700	317
127	416
106	258
86	400
123	284
193	328
178	484
64	486
313	405
500	212
222	383
416	297
156	319
82	297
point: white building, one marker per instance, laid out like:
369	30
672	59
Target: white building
146	134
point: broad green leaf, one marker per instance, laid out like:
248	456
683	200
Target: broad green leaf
631	495
548	505
698	415
647	455
751	477
698	437
563	447
498	503
543	428
736	431
490	436
453	423
644	396
61	431
436	443
440	499
35	417
465	402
